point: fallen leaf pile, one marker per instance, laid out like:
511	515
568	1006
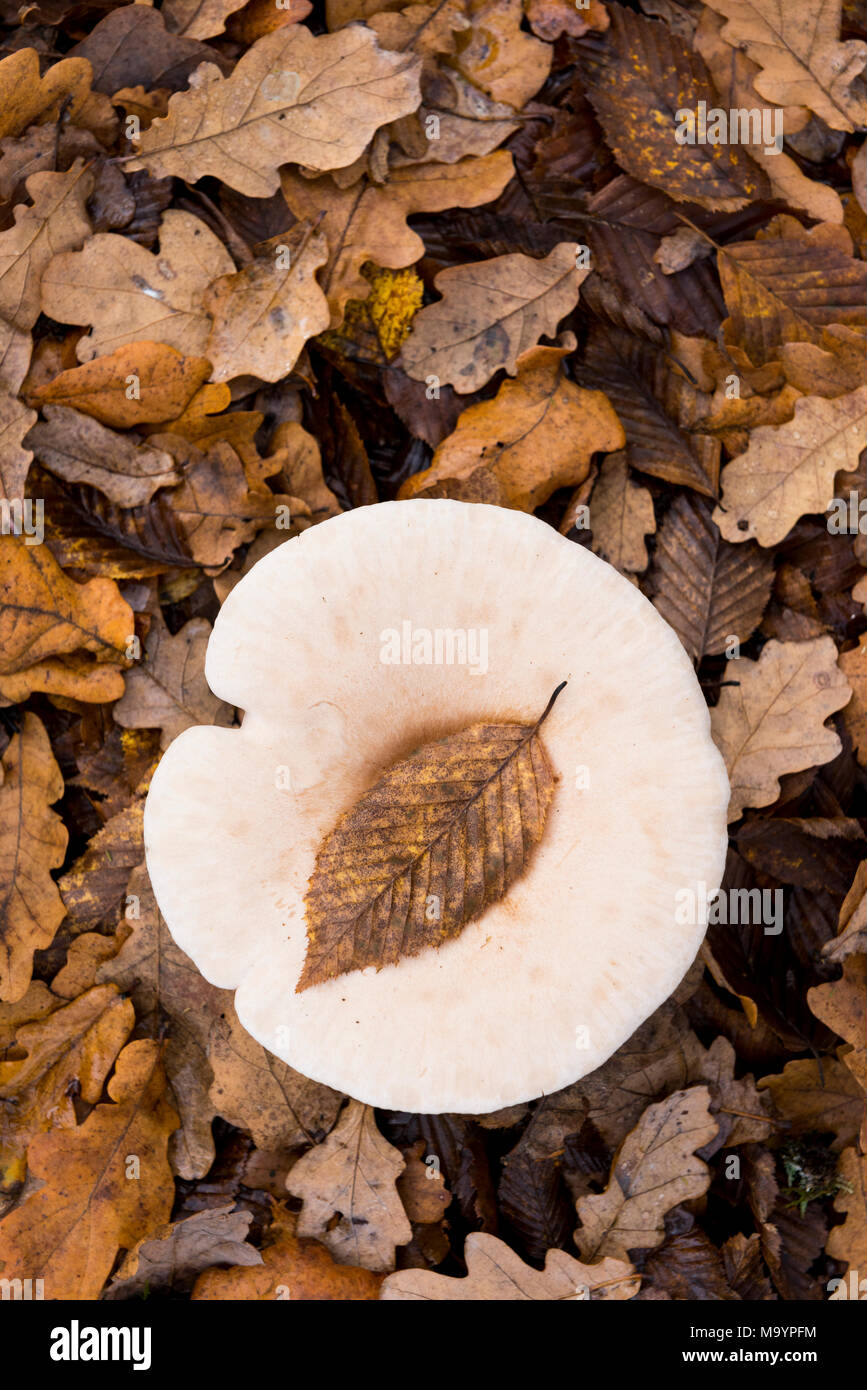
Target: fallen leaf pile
261	264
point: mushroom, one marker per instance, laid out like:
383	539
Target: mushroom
329	646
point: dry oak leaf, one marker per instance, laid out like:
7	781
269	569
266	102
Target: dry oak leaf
81	450
258	1093
264	313
29	98
55	222
852	931
842	1005
802	61
352	1176
789	470
215	505
68	1233
168	690
138	384
813	1097
421	1189
259	17
848	1242
291	98
463	816
654	1170
550	18
198	19
166	988
298	1270
68	1053
621	515
15	460
538	434
170	1258
45	614
94	886
367	223
637	79
705	588
499	56
853	664
32	843
788	285
496	1273
128	293
490	313
772	722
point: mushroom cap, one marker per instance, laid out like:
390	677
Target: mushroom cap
550	980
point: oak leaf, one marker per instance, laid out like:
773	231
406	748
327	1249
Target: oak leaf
842	1005
802	61
368	223
168	690
169	1260
853	664
32	842
15	459
55	222
264	313
499	56
490	313
463	814
128	293
852	932
773	721
494	1272
813	1097
352	1176
707	589
537	434
81	450
654	1169
291	98
291	1269
29	98
165	385
621	515
131	47
69	1052
848	1241
69	1231
789	470
198	19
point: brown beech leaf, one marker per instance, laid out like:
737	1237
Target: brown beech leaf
45	614
802	61
169	1260
291	1269
367	223
168	690
654	1169
94	886
789	470
30	99
32	842
69	1052
636	79
773	721
352	1176
255	1091
621	515
366	901
788	285
292	98
490	313
709	591
15	460
131	47
81	450
494	1272
128	293
537	434
88	1206
165	384
812	1097
55	221
264	313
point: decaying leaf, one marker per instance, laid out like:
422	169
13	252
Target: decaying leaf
352	1176
495	1272
81	450
141	383
168	690
654	1169
621	515
171	1257
471	808
773	721
55	222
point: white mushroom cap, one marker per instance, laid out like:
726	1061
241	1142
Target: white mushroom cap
550	980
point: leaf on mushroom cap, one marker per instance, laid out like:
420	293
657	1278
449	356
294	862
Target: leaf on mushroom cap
440	836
